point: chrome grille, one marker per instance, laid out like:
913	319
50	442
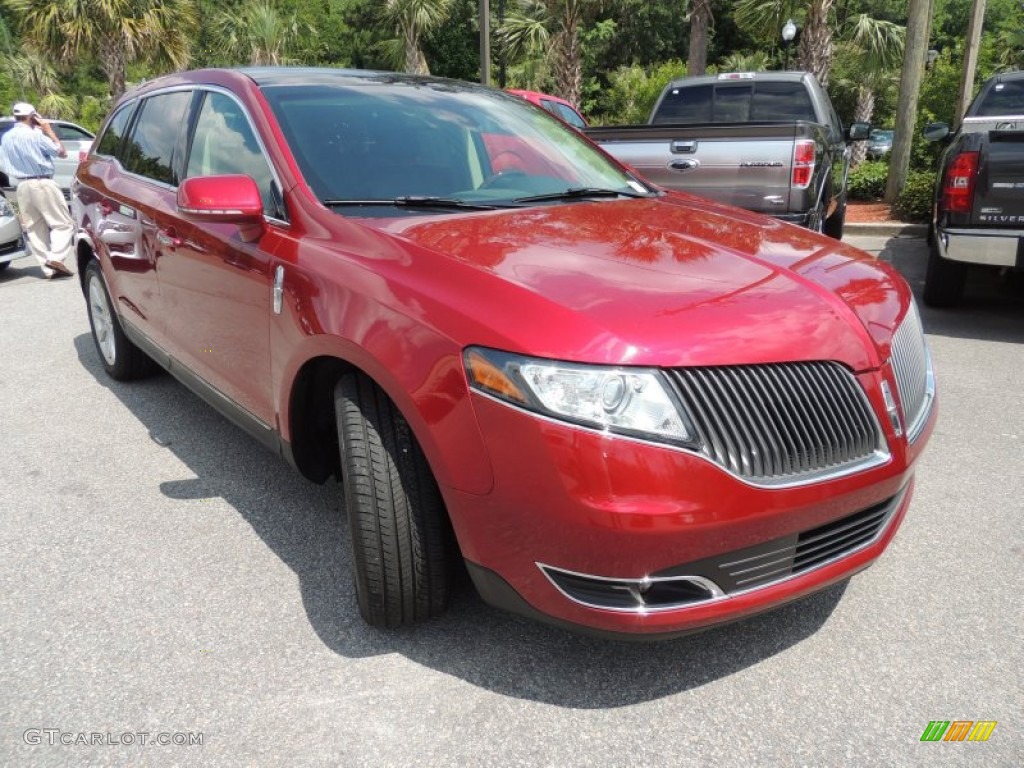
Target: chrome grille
911	366
781	423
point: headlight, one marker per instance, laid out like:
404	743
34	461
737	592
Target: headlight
5	207
632	401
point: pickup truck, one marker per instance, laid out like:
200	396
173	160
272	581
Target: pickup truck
769	142
978	209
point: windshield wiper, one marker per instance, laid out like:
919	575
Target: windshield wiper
416	201
575	193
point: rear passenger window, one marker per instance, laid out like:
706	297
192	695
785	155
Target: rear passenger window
111	139
224	143
150	150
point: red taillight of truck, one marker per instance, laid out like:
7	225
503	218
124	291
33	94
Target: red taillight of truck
958	183
803	163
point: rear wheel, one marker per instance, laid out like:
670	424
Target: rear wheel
944	281
400	536
121	359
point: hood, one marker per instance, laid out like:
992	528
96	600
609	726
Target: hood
673	281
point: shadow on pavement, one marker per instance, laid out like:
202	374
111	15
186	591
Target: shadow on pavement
303	524
993	304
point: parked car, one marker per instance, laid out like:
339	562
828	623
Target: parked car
556	105
76	141
769	142
12	242
978	209
880	143
625	410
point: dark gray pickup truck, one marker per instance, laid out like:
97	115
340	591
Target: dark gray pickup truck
978	211
769	142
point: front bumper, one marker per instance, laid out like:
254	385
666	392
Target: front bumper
582	502
997	248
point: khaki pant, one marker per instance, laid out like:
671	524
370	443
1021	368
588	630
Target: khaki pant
46	221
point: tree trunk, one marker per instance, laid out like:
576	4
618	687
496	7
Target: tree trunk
112	62
918	29
700	23
815	54
568	56
862	113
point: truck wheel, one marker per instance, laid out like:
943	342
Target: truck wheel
834	224
121	359
944	280
398	524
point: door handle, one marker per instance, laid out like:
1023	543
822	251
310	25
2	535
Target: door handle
684	165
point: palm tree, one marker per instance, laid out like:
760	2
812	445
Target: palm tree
116	32
815	51
256	32
412	19
549	29
701	18
874	50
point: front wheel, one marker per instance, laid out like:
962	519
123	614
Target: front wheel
400	535
121	359
944	281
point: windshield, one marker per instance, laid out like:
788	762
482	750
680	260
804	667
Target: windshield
376	142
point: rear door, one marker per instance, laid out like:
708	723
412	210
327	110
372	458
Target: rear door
76	141
129	200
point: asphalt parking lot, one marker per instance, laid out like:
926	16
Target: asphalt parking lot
161	574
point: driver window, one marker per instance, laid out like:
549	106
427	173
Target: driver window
224	143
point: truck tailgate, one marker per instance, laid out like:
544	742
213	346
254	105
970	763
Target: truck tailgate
999	195
748	165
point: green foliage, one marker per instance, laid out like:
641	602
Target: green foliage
867	180
632	93
915	201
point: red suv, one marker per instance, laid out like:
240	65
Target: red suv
625	410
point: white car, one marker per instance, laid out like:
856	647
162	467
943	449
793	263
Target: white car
12	242
76	140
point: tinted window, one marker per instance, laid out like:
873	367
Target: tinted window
782	102
728	103
686	105
224	142
111	138
71	133
570	115
151	148
1003	99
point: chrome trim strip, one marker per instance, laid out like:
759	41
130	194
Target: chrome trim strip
717	594
634	585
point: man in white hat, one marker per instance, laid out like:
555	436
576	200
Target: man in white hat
26	155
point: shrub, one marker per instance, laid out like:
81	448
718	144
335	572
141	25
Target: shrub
915	201
867	180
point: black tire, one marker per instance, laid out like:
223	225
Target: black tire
401	541
944	281
121	359
835	223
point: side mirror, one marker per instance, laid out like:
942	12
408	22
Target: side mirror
231	198
858	131
936	131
